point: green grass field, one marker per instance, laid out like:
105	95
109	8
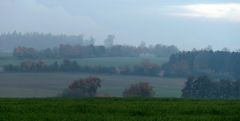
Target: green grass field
116	109
114	61
51	84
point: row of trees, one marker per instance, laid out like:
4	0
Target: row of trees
145	68
204	62
39	45
88	88
88	51
11	40
203	87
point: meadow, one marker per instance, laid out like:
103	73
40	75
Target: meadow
118	109
52	84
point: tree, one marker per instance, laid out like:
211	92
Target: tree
221	64
237	89
208	48
83	88
141	89
69	65
201	87
226	89
27	65
225	49
188	90
109	41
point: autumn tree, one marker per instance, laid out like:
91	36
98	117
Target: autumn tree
83	88
141	89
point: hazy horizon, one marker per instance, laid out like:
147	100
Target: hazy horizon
189	24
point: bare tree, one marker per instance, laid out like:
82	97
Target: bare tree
109	41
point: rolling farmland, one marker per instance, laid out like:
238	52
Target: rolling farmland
51	84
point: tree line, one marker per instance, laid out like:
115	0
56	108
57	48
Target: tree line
11	40
144	68
204	87
40	45
92	51
221	64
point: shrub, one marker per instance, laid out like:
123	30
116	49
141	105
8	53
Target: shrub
141	89
83	88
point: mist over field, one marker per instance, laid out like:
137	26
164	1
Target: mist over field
115	60
191	40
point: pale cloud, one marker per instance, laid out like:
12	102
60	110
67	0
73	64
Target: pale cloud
227	11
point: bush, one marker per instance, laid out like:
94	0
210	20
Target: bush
83	88
141	89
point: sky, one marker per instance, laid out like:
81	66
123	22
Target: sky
187	24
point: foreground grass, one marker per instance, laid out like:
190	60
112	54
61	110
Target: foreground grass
116	109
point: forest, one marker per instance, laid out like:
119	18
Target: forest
220	64
11	40
204	87
39	46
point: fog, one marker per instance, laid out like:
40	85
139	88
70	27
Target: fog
189	24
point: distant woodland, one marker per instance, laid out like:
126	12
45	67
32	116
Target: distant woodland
221	64
37	45
11	40
203	87
93	51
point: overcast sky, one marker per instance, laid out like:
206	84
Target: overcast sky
189	24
